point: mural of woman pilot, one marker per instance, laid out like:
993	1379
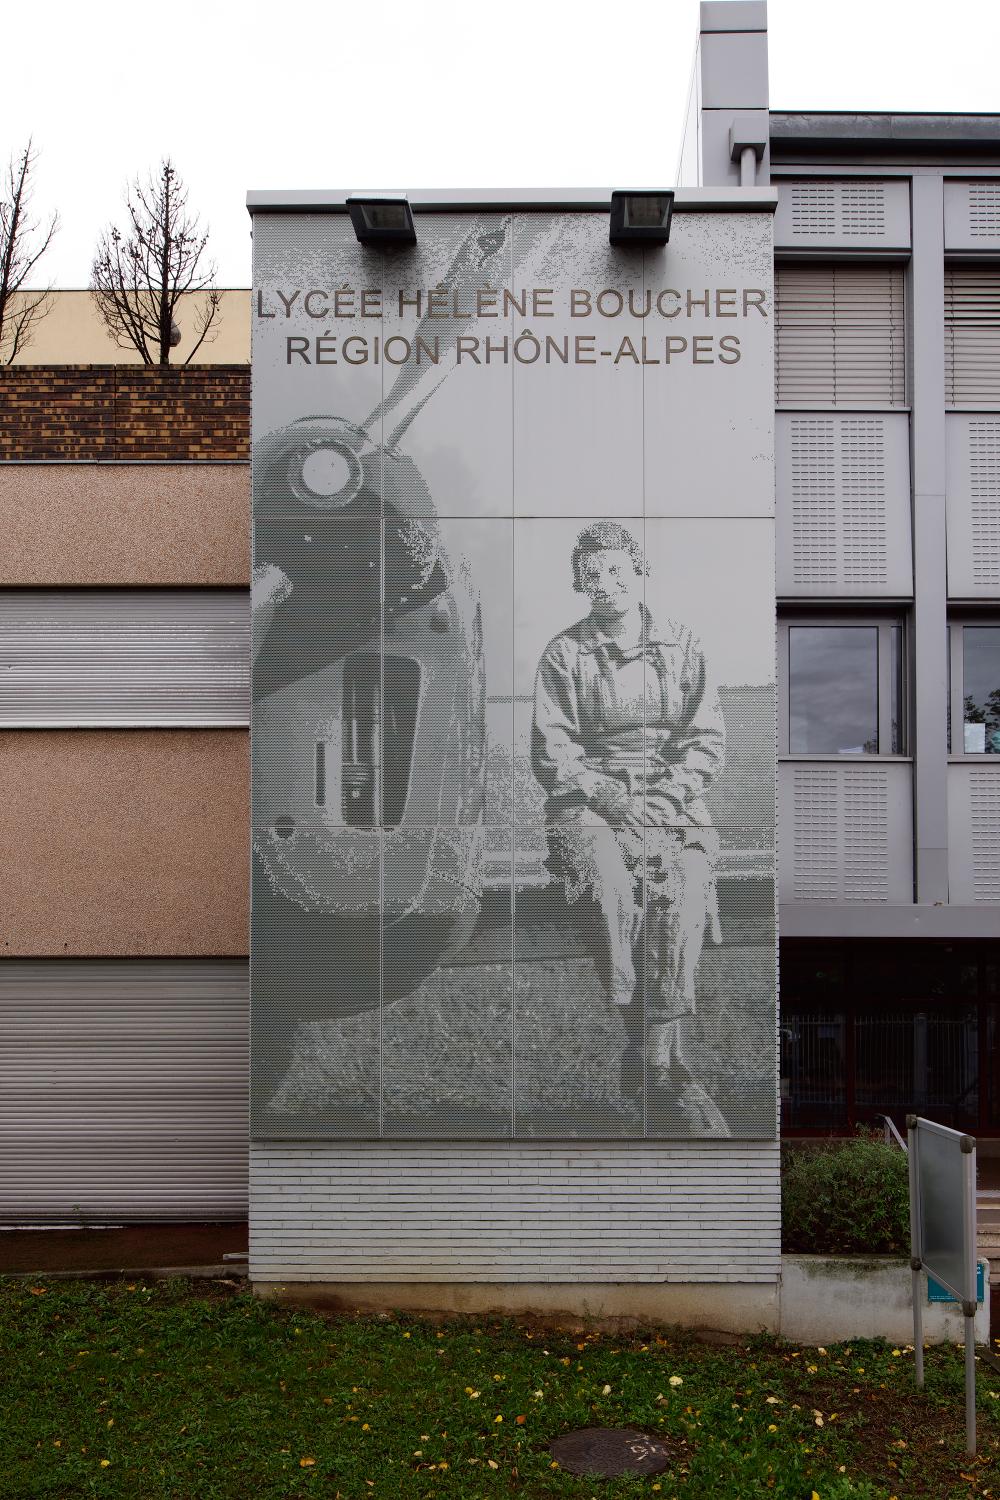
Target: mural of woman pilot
626	737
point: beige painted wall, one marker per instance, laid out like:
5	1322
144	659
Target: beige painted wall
150	523
73	334
123	842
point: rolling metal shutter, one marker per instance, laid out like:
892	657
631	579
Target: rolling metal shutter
840	336
124	657
972	335
123	1090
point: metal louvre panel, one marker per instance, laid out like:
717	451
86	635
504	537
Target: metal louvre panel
840	336
123	1090
972	335
704	1211
124	657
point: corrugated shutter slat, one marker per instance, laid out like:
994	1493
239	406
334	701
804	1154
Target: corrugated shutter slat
123	1090
124	656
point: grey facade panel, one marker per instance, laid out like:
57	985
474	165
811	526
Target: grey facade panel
843	505
972	215
973	442
845	832
974	833
123	1090
734	70
124	657
852	214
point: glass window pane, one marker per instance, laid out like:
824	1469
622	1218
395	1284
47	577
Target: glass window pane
898	746
833	690
981	686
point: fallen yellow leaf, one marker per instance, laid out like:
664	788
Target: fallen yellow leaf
306	1463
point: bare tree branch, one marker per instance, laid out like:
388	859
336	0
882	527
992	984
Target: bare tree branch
142	273
23	242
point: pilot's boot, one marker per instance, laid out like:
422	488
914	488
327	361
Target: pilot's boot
680	1102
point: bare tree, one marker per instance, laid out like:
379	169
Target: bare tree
142	273
23	242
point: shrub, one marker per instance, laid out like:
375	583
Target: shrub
849	1197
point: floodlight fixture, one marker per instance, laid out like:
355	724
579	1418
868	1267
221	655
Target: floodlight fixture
382	221
641	217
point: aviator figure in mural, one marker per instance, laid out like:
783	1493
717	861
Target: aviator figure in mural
627	736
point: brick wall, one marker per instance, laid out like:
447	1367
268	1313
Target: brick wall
119	412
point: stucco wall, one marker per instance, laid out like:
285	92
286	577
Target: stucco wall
73	333
130	524
124	842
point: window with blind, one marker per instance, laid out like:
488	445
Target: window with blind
972	335
840	335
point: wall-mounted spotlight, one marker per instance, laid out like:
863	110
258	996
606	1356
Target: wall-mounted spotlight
641	217
382	221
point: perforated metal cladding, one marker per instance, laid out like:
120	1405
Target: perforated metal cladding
816	850
862	479
839	510
814	207
984	481
984	209
814	500
847	213
840	335
427	959
865	835
972	335
124	657
844	825
862	208
984	799
831	208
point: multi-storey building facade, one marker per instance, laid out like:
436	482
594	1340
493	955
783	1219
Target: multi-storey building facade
887	310
124	499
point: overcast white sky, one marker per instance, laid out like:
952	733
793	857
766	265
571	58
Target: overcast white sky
423	93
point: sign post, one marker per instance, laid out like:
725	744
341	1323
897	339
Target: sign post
942	1166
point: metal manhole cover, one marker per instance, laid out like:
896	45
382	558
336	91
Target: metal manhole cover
610	1451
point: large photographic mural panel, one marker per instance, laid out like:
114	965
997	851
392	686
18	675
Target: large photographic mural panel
578	443
513	734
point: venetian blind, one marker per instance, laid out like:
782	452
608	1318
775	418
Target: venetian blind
972	335
840	336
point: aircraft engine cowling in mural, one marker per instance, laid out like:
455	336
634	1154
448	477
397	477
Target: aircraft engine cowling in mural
369	714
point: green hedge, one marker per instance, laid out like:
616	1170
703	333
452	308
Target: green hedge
849	1197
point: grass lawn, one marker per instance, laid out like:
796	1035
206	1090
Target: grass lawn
146	1390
